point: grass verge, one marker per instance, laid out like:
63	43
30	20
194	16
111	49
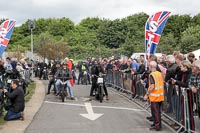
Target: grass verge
31	90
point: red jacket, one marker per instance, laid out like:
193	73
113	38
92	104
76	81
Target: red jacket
69	66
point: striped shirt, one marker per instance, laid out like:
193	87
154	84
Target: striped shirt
195	81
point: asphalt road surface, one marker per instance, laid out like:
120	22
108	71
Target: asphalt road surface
118	115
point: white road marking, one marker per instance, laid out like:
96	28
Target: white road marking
70	104
105	107
91	115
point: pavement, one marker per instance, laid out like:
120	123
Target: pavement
31	108
47	114
118	115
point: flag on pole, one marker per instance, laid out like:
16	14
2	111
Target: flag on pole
153	30
6	29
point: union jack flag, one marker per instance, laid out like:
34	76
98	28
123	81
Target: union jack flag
153	30
6	29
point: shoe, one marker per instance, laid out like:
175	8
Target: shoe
153	125
22	116
57	94
154	129
175	125
72	98
107	98
150	118
47	93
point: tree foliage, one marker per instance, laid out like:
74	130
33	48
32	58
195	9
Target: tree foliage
57	38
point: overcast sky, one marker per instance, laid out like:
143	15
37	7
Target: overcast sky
76	10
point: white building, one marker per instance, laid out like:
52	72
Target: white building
135	55
197	54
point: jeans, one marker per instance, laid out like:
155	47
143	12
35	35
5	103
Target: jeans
11	115
68	86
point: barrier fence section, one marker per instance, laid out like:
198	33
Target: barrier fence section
181	106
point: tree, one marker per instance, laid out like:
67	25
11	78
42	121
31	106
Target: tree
190	40
102	37
91	23
111	34
60	27
167	44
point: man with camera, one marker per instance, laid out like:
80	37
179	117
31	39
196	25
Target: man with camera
16	97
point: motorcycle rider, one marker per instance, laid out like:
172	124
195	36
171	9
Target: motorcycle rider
52	73
83	67
95	70
64	72
42	65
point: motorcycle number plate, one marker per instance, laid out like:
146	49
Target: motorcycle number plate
100	80
84	73
9	81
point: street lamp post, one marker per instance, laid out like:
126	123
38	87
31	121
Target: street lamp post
32	44
31	25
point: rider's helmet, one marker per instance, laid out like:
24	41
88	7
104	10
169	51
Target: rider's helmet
57	63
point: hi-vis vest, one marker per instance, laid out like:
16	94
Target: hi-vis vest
157	94
83	68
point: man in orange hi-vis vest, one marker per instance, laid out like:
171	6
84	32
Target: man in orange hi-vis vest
155	94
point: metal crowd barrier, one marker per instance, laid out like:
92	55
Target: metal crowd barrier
181	106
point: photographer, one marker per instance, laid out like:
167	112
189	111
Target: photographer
17	102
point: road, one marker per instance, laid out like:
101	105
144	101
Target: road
118	115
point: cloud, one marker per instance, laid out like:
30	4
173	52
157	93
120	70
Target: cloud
76	10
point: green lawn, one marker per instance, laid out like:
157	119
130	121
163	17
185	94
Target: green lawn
31	90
